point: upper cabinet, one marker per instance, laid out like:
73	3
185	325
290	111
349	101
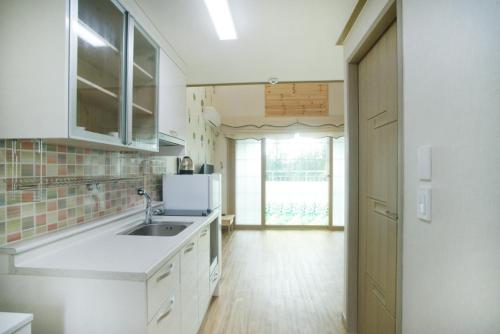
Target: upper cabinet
143	105
98	77
172	102
78	70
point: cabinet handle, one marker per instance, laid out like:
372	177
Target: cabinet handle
216	275
167	312
189	248
166	274
204	233
391	215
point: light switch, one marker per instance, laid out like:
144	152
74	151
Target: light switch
424	204
424	163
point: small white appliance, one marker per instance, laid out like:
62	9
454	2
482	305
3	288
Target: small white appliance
198	194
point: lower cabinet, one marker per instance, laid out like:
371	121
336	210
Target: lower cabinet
195	287
164	302
189	289
173	300
168	317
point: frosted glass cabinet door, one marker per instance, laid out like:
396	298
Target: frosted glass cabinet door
100	77
144	132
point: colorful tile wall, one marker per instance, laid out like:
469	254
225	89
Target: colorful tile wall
27	213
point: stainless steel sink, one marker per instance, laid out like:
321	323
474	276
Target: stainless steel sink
163	229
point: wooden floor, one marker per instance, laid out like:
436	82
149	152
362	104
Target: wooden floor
279	282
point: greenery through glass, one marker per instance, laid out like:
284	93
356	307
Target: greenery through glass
297	181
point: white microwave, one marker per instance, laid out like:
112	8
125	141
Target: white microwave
192	192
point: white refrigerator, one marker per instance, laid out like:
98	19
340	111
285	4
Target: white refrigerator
196	193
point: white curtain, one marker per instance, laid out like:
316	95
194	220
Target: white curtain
282	127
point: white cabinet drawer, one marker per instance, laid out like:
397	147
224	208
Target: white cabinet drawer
162	284
204	249
189	260
168	318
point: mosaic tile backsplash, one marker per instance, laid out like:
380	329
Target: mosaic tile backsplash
29	212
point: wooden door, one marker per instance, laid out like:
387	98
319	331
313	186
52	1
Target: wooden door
378	222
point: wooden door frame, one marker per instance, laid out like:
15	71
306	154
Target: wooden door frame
391	13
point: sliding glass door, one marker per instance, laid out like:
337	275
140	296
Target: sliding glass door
248	182
297	181
302	183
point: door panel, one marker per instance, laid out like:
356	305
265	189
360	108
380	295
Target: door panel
381	254
378	320
378	174
383	164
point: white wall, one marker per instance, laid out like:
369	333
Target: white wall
451	267
240	101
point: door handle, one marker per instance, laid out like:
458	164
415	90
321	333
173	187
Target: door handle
391	215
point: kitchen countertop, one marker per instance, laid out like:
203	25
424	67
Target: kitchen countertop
11	322
103	252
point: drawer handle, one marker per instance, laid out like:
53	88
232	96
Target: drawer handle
167	312
204	233
166	273
189	248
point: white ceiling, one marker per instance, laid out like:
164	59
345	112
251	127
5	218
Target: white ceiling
293	40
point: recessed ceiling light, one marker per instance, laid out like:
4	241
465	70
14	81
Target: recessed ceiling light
88	35
221	18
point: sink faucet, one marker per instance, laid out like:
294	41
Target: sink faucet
149	209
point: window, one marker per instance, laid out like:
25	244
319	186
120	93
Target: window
297	181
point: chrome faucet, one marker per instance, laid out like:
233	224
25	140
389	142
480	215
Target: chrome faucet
149	208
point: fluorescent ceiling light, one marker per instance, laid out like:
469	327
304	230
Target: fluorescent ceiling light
221	18
89	36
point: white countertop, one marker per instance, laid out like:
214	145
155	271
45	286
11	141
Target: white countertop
11	322
105	253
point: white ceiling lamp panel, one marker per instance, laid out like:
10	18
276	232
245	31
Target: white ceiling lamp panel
221	18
